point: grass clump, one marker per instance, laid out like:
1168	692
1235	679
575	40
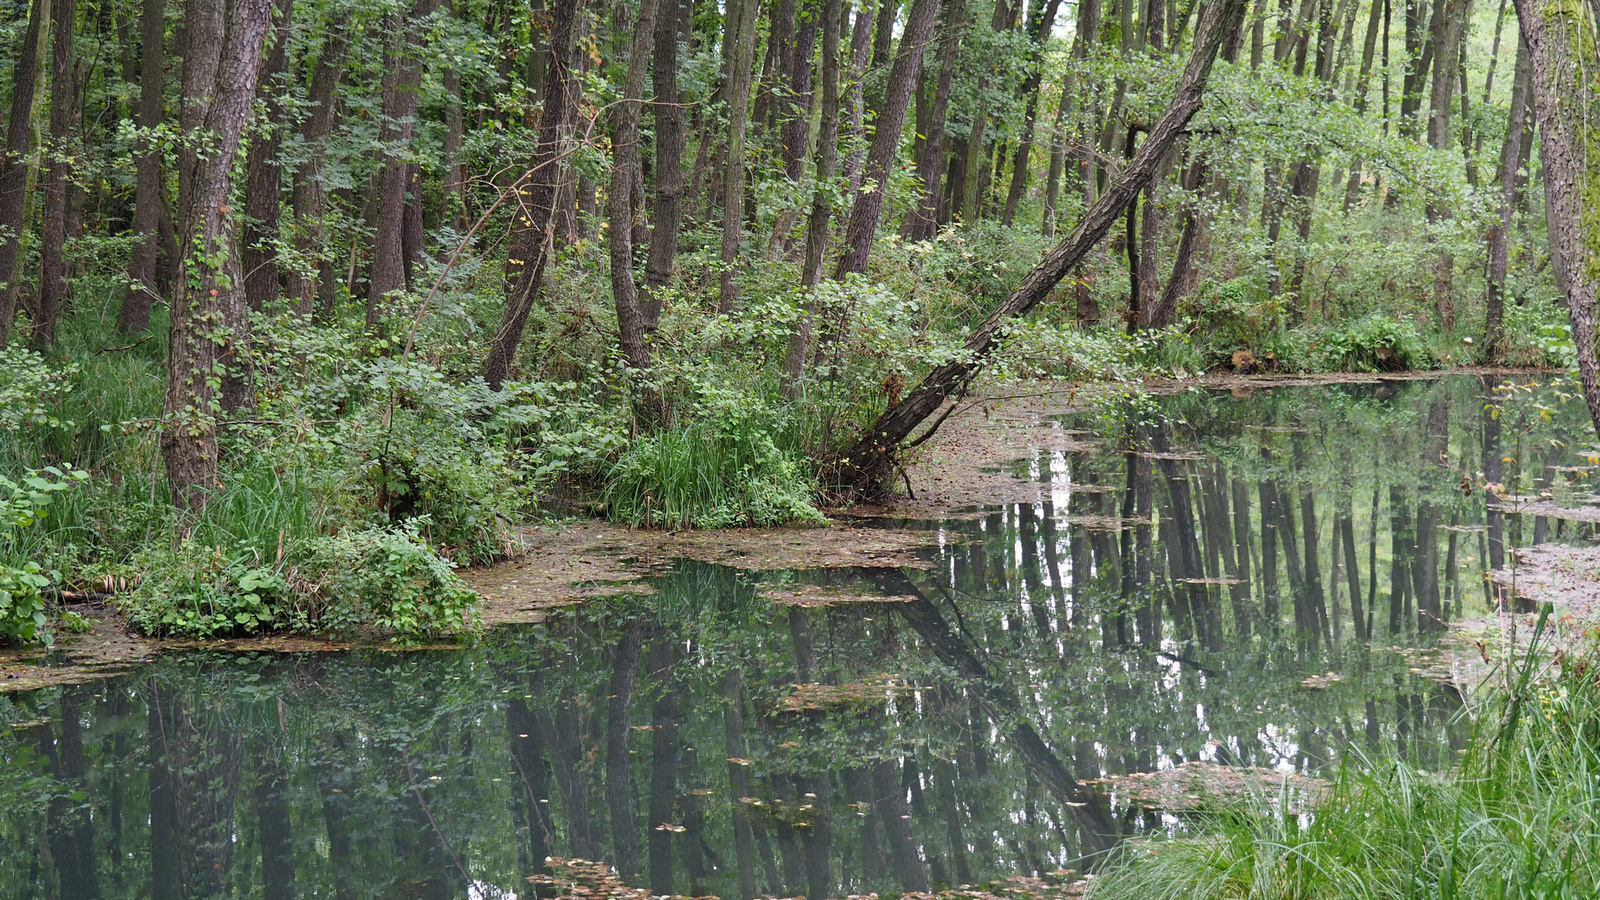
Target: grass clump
719	472
1518	818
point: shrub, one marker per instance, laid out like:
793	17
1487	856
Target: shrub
1539	334
22	579
713	473
1377	343
388	579
205	591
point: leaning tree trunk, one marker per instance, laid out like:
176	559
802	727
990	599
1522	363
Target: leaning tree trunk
535	196
222	61
1566	75
148	182
867	207
866	465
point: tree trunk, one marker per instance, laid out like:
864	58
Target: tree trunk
534	231
632	338
1030	89
265	175
1563	47
149	187
922	221
867	464
1517	135
222	60
670	144
309	196
799	344
402	78
619	762
58	204
1447	53
867	207
741	37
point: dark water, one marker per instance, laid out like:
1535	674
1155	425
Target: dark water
1040	648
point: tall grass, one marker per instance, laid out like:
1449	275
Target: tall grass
709	474
1518	818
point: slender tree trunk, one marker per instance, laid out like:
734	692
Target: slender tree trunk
402	78
535	218
799	344
264	179
632	338
1562	43
922	221
1518	134
309	196
1447	53
741	37
619	762
222	60
149	188
670	140
58	206
866	464
867	207
1031	84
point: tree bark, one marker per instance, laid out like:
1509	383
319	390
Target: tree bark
1031	84
867	207
866	465
149	183
1563	47
265	175
58	206
1517	134
741	37
309	196
670	145
632	338
922	221
218	85
799	344
402	78
535	218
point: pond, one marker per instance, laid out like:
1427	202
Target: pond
1242	590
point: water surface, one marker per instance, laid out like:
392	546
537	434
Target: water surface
1167	605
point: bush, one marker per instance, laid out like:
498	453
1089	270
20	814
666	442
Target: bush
388	579
1377	343
204	591
1539	334
713	473
22	579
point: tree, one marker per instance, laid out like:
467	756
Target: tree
866	465
222	60
1565	61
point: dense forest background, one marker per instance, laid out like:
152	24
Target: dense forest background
306	302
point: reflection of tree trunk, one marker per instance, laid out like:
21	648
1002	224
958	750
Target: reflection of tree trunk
1136	503
694	822
533	770
202	761
333	783
1400	557
1218	530
619	763
70	828
1316	606
1269	555
1188	549
1097	830
1352	575
1425	567
276	827
945	785
663	762
890	800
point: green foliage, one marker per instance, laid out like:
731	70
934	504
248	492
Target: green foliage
30	389
387	579
207	591
1539	334
1376	343
23	503
716	472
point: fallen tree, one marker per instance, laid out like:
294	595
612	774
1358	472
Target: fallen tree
866	468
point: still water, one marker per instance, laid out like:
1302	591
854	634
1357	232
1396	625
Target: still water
1166	606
